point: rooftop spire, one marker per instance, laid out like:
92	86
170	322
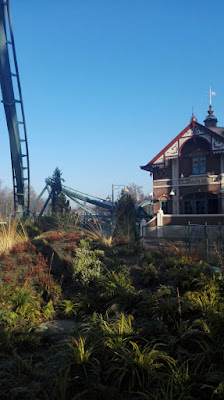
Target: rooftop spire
210	120
193	118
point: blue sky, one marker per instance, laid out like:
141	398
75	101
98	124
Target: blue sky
108	83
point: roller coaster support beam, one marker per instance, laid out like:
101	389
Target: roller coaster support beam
37	199
87	209
45	204
16	128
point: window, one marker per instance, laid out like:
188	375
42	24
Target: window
188	207
164	205
199	165
200	203
201	206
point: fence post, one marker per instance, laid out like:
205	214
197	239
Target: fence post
219	238
142	225
206	239
160	223
189	236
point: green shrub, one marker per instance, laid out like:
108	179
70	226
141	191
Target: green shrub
86	265
125	228
184	274
48	310
135	368
208	299
117	331
149	274
85	243
32	229
164	290
114	282
67	307
126	250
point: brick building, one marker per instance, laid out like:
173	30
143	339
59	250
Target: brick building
188	174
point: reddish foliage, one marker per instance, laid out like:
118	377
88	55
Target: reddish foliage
38	267
8	279
30	271
73	236
41	262
17	248
23	247
9	265
47	283
25	281
25	259
71	247
29	247
55	236
34	270
3	256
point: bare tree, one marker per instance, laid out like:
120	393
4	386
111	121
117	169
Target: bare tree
6	201
136	192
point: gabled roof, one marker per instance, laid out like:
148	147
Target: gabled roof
214	135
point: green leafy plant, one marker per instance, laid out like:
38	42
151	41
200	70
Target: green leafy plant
149	274
136	368
116	282
26	303
117	331
86	265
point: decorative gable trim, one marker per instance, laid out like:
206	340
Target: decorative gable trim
188	134
173	149
159	161
217	145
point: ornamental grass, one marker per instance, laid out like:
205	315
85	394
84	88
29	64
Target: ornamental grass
12	233
95	232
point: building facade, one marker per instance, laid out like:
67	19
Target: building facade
188	174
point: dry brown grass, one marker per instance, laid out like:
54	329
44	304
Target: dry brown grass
12	233
94	231
219	257
198	251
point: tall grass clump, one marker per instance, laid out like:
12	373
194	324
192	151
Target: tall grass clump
95	232
12	233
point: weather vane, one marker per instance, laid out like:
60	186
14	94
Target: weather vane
211	94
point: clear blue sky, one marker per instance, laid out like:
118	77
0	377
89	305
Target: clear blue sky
108	83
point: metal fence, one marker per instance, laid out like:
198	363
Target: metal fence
210	237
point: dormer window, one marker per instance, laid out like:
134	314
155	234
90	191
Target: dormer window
199	166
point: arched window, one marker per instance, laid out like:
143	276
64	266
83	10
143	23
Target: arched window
195	155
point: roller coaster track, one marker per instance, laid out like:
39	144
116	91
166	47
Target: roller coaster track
14	111
81	199
75	196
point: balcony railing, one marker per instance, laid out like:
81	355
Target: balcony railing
199	179
205	179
